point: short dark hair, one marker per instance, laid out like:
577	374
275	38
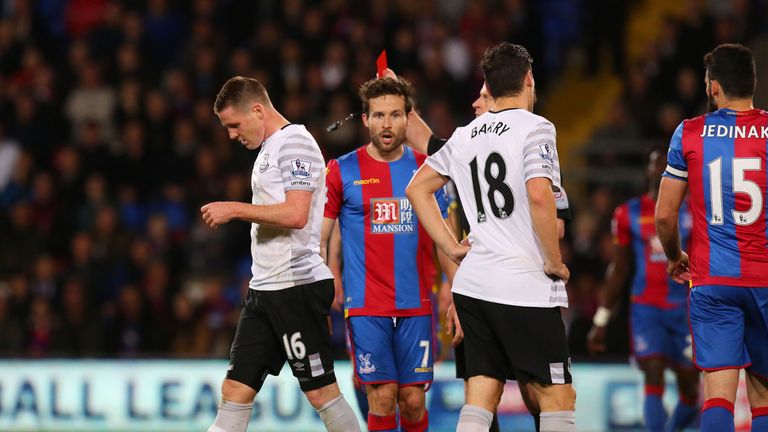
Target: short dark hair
733	66
239	90
505	66
386	86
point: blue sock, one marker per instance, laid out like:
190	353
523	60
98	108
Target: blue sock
717	416
759	419
653	410
683	416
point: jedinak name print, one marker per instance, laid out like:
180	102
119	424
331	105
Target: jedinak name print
723	131
494	127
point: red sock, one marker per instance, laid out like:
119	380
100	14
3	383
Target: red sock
717	402
417	426
381	423
654	390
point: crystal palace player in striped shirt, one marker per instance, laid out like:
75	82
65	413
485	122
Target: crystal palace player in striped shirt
658	311
388	269
721	158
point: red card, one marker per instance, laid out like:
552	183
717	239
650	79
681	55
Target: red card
381	63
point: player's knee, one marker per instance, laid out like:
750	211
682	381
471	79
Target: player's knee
319	397
563	398
234	391
411	404
382	401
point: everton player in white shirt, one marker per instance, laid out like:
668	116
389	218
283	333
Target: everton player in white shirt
504	165
285	316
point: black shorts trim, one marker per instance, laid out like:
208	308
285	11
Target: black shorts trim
289	324
504	342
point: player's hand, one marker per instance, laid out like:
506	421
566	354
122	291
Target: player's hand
457	252
338	296
678	270
218	213
557	271
596	340
453	326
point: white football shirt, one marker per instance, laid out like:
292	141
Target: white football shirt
289	159
490	160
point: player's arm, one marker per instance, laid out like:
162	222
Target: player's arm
292	213
543	217
615	277
671	194
325	236
330	251
421	193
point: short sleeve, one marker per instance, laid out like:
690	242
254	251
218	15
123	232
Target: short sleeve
334	187
677	167
540	153
620	230
434	145
301	163
441	160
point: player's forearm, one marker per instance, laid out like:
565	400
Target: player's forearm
615	275
669	235
544	219
448	266
426	208
281	215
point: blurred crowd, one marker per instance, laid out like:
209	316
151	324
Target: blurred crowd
109	146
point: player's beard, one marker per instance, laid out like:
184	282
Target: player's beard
397	141
711	104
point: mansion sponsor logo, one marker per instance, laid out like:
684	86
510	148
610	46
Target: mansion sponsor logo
391	215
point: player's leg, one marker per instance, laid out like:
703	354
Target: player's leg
461	373
650	346
414	354
688	377
529	399
254	354
485	365
687	409
757	343
654	414
717	325
299	316
539	352
375	367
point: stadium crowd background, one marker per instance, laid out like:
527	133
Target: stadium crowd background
108	143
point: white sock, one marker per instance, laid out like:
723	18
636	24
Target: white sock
558	421
338	416
474	419
232	417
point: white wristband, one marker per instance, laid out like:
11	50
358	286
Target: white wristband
602	316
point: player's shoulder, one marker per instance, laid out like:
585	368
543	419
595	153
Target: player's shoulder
522	117
297	134
350	157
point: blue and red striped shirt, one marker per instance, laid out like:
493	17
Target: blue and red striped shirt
722	155
634	226
388	257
